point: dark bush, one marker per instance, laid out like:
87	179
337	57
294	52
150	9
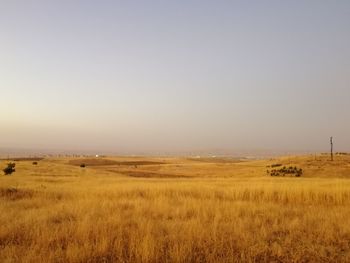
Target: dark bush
293	171
276	165
10	168
82	165
35	163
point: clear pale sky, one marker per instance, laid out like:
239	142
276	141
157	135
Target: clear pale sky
169	76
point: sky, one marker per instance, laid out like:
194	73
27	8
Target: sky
175	76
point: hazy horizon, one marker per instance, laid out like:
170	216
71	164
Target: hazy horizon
181	76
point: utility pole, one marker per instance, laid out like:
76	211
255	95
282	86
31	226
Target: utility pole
331	148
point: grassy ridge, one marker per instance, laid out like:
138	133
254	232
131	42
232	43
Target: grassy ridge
221	212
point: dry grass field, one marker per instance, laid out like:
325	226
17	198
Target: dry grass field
175	210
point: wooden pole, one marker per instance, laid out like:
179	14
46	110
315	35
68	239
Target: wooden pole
331	148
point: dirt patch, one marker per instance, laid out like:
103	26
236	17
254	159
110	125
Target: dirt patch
139	163
215	160
14	194
106	162
144	174
92	162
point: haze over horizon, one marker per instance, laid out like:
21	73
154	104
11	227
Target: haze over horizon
156	76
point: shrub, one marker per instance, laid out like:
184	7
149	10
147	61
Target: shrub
35	163
276	165
293	171
9	169
82	165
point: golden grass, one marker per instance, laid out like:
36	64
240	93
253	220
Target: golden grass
214	211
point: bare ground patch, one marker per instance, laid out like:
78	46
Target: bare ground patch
145	174
92	162
106	162
215	160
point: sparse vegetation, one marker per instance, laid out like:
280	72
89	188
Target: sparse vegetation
341	153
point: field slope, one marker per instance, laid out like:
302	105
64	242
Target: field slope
120	209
